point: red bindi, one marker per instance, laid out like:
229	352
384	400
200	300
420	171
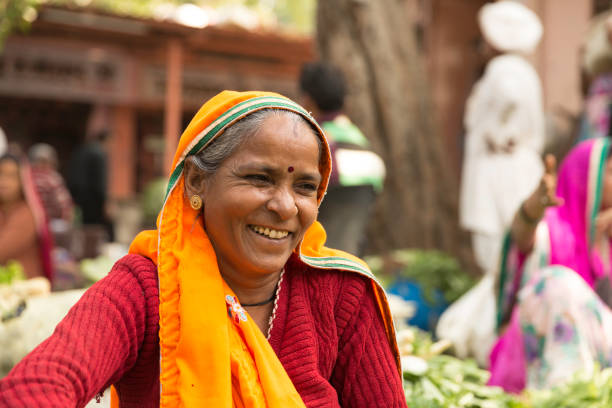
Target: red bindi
290	169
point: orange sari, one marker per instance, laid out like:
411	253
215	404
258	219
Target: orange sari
209	358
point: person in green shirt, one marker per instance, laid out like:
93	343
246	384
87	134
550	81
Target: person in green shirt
358	173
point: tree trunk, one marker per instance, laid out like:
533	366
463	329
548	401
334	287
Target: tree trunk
373	42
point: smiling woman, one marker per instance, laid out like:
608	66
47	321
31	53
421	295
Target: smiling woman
256	212
234	301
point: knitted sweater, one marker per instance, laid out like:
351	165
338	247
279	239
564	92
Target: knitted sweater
327	334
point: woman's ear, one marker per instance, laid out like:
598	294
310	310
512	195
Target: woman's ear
195	179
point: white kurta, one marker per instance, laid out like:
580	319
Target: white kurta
502	165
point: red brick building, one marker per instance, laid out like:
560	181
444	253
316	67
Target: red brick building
78	70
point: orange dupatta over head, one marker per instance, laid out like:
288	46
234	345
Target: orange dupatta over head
209	358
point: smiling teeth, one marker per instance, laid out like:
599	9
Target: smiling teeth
270	233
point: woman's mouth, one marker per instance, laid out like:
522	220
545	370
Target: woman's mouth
269	232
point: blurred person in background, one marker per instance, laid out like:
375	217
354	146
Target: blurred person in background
24	236
233	301
358	173
597	79
59	209
504	123
88	181
554	285
49	183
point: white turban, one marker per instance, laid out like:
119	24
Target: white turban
510	26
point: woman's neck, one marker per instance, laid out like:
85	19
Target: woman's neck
251	289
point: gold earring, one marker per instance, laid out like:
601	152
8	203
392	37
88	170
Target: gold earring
196	202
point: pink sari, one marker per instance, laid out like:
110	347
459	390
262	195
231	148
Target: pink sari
45	241
555	319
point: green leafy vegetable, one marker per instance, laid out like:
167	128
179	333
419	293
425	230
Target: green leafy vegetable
11	272
447	382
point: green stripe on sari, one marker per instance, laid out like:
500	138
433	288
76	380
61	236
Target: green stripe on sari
503	276
600	154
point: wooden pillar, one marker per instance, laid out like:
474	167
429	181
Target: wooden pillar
173	104
122	157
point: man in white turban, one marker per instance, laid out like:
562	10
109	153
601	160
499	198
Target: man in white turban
504	124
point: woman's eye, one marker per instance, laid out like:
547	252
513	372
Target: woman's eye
310	187
260	178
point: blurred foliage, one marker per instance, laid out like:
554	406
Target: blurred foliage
291	15
133	8
152	200
16	15
94	269
299	15
432	270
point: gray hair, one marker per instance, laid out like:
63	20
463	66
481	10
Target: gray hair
211	157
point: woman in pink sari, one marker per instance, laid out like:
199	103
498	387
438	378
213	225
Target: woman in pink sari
24	236
552	321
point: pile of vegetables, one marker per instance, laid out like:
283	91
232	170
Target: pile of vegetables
15	289
11	304
436	380
450	382
433	380
589	389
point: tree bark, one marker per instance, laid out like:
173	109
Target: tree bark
373	42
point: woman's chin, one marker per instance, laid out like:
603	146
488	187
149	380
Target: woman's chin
269	255
268	264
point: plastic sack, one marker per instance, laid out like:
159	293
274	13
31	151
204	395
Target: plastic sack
469	323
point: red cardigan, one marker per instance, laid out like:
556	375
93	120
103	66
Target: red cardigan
327	334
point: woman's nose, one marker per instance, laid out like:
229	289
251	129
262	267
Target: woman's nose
283	203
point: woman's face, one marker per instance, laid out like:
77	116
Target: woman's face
10	184
263	198
606	195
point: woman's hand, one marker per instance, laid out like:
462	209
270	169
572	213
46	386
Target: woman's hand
532	209
548	185
546	194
